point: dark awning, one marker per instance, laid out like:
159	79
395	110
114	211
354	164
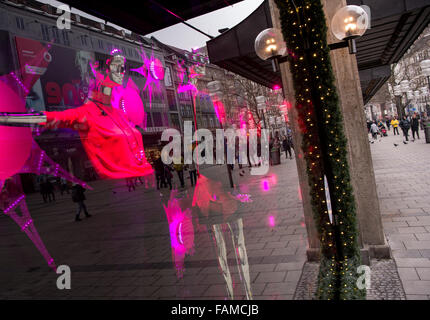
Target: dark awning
147	16
395	25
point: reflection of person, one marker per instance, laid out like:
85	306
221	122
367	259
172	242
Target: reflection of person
50	190
111	142
78	196
64	186
82	60
193	173
178	165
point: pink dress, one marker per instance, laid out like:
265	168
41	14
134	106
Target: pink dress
111	142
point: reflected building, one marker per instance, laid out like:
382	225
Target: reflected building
66	82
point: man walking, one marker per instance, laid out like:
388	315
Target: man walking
405	125
415	124
78	196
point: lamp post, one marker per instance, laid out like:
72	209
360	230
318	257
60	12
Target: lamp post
347	24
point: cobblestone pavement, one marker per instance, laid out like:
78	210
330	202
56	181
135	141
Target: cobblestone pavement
403	182
124	250
385	283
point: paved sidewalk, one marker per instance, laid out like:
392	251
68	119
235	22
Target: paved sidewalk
124	250
403	183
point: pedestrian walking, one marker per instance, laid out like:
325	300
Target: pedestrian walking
192	170
287	147
405	125
395	125
178	165
50	190
130	184
415	124
43	189
78	197
159	171
64	187
168	175
374	131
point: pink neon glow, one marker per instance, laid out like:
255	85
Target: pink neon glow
23	156
115	51
265	184
157	69
274	179
276	87
192	75
15	142
203	197
129	102
181	232
243	197
187	87
272	221
219	111
152	78
15	194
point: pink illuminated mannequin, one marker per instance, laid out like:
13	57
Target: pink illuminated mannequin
110	139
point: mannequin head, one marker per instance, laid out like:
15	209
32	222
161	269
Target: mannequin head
117	68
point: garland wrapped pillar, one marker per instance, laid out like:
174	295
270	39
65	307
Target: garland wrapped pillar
324	148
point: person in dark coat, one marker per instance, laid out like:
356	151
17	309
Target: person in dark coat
168	175
415	125
43	189
405	125
159	171
78	197
50	190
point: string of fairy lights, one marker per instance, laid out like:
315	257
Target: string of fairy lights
324	147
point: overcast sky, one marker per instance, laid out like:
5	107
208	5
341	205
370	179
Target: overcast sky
182	36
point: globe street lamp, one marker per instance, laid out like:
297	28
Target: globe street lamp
349	23
270	45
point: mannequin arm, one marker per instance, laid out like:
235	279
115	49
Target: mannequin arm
20	119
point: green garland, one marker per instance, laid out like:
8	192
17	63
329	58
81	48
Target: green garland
305	32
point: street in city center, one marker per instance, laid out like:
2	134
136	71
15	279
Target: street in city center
124	250
215	150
